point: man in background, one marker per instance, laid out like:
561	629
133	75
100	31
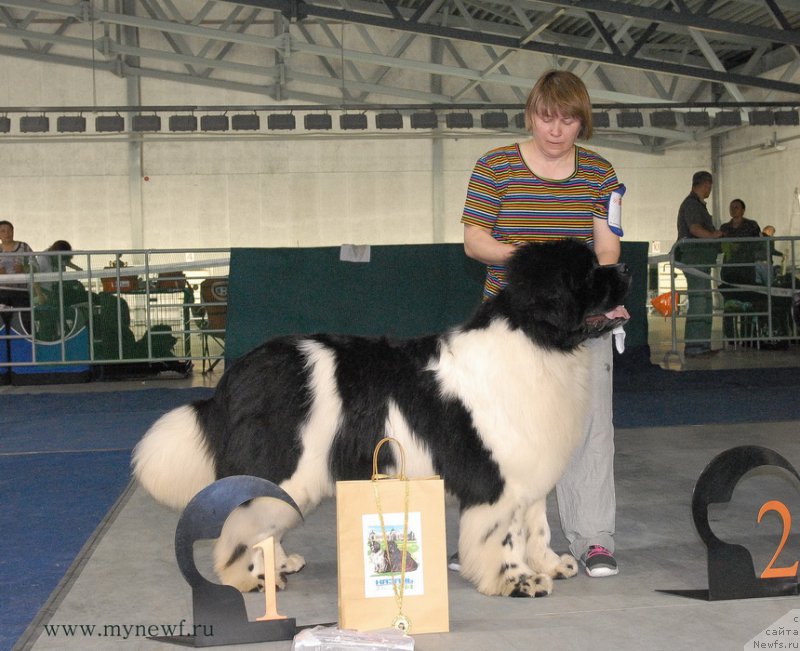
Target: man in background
695	223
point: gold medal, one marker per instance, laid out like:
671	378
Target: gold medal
401	623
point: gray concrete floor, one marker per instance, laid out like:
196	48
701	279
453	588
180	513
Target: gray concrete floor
130	576
729	357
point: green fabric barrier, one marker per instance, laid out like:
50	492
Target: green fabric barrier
404	291
634	254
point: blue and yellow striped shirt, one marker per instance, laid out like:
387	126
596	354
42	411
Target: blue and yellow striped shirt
507	198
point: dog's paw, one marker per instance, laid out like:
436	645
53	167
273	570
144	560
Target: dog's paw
527	585
567	567
280	583
292	564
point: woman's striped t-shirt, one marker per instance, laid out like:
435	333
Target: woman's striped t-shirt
517	206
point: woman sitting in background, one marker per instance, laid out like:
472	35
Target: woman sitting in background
765	269
13	294
735	253
49	296
51	263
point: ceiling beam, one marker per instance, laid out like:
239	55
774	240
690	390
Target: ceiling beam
569	52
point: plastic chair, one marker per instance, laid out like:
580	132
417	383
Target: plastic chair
743	324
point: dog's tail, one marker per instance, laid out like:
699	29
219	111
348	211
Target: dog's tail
173	461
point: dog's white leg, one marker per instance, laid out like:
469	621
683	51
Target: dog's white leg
539	554
286	564
491	550
237	563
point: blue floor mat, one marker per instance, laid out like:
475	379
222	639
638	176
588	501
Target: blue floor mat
64	461
50	505
653	397
85	421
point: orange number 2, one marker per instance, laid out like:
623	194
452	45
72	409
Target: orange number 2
771	572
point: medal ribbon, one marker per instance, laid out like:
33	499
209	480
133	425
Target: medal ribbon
401	622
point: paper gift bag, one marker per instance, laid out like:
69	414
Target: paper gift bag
392	558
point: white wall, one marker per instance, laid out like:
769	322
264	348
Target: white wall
72	191
202	192
287	193
766	179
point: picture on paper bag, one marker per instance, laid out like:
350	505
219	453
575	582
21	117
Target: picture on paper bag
383	558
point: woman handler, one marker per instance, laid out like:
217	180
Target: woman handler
549	188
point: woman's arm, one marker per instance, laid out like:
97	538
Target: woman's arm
606	244
481	246
607	248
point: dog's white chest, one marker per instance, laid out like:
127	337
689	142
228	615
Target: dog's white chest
527	404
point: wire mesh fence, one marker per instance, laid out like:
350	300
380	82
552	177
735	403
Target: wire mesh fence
78	312
749	286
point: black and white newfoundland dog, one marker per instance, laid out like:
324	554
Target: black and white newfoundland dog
495	407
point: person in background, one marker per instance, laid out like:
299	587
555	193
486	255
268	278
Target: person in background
736	252
765	255
53	296
560	190
51	263
732	275
13	294
695	223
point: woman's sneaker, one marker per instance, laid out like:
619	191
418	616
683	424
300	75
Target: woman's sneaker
599	562
453	563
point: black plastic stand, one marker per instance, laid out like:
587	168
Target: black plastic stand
731	573
220	615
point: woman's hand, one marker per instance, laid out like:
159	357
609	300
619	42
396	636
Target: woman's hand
481	246
618	312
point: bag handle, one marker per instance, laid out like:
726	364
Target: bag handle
402	473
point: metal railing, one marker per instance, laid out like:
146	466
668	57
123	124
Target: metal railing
71	309
739	282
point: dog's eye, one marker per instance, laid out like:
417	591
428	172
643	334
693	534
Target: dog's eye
250	567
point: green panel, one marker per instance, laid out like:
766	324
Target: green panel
634	254
404	291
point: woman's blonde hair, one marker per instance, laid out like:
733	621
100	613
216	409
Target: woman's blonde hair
559	92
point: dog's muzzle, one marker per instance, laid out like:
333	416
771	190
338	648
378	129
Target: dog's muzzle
597	325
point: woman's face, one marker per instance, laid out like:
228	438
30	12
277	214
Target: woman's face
555	135
736	210
6	233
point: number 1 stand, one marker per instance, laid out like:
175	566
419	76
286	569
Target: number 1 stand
220	615
731	573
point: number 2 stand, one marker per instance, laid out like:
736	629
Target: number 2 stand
731	572
220	615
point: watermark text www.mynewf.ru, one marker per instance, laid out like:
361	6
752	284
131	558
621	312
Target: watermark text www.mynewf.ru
127	631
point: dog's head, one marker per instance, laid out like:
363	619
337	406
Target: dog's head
558	293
